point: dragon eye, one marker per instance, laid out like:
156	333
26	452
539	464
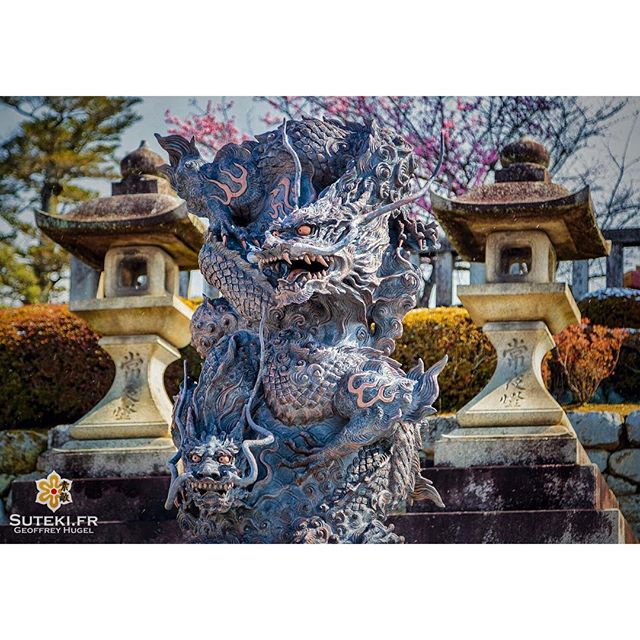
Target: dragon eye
304	230
196	457
224	458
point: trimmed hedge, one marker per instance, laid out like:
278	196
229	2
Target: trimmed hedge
619	308
430	334
625	379
53	370
615	308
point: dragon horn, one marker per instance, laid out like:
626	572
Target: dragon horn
392	206
296	161
176	146
191	427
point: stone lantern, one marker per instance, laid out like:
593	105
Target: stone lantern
520	227
139	238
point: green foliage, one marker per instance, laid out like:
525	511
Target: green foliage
621	309
626	376
59	141
430	334
54	371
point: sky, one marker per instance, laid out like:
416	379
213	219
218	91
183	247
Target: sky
248	115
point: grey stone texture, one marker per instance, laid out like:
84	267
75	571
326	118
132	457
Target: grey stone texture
599	457
616	450
597	428
630	506
633	427
5	482
626	463
620	486
19	450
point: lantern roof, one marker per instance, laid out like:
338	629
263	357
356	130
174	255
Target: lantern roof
522	198
143	210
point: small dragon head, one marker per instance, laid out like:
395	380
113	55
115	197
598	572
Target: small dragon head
212	466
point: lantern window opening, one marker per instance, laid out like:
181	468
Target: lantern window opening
133	274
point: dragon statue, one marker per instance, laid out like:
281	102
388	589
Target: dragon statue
301	427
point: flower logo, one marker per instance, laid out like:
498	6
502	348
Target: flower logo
53	491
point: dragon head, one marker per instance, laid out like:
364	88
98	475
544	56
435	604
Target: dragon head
323	248
212	466
336	245
218	465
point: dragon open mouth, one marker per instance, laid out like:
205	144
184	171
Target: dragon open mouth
206	486
296	272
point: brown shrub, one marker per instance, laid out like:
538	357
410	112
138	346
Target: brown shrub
584	356
53	370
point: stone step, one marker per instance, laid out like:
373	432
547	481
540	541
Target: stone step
518	488
578	526
111	499
110	532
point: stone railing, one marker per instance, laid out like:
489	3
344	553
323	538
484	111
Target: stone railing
611	441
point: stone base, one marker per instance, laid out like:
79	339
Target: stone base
509	446
102	458
515	527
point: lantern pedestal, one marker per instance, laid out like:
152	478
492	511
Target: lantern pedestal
514	419
108	458
136	405
127	433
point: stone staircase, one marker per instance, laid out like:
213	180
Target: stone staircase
545	503
129	510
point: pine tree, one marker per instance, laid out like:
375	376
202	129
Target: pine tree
59	141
